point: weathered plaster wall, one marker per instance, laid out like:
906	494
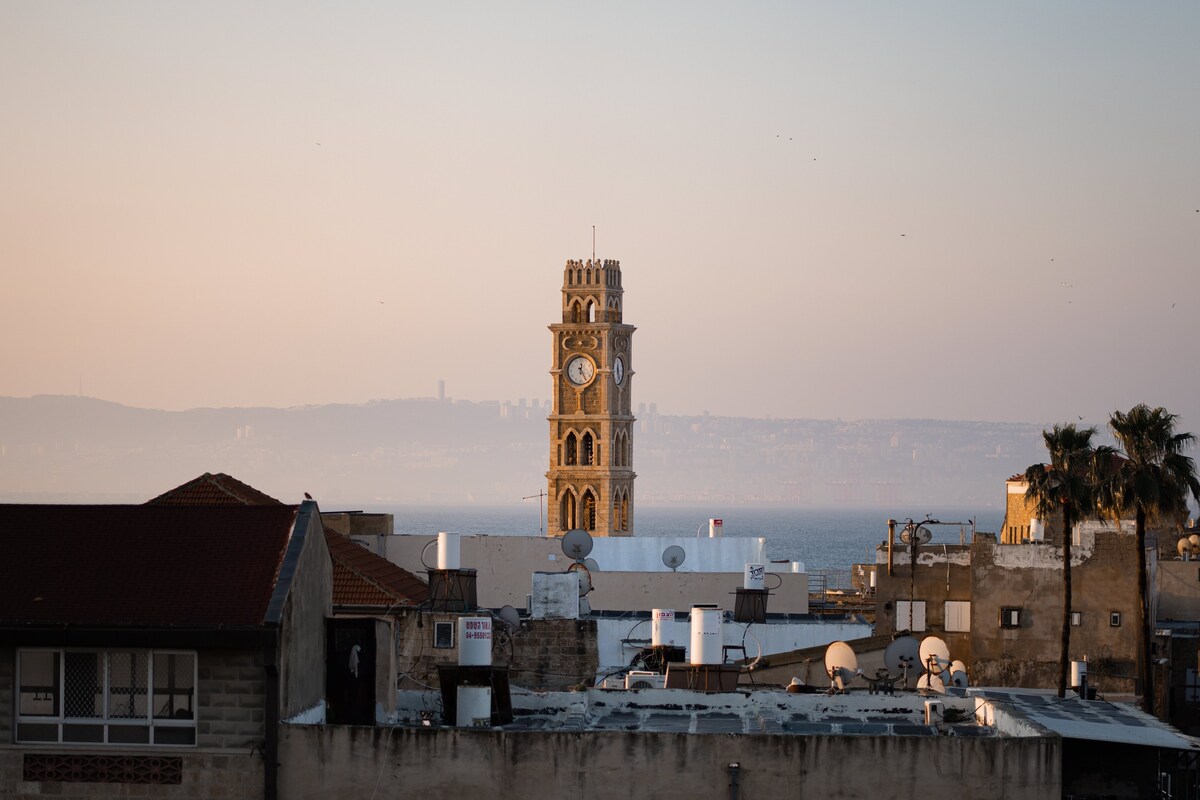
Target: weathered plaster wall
320	762
1178	584
1029	577
543	654
943	573
302	636
505	564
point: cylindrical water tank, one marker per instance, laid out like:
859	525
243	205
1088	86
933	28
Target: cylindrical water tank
754	576
1037	530
1078	672
475	641
873	573
449	551
715	528
662	627
706	636
474	706
797	567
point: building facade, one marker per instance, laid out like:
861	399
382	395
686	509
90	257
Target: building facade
590	480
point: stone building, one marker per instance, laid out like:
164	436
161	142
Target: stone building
153	649
590	480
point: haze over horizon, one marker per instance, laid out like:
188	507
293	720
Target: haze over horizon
860	211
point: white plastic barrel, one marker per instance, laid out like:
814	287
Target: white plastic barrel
1037	530
706	636
449	550
475	641
662	627
797	567
474	706
754	576
1078	673
716	527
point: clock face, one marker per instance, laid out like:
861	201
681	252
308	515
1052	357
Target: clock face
580	370
619	370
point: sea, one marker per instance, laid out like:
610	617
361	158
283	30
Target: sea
823	539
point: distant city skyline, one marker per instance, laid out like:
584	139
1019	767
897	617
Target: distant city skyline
866	211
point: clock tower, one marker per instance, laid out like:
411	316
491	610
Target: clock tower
590	481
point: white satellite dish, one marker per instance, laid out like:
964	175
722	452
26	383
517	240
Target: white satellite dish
577	544
935	655
585	577
673	556
901	656
931	683
912	532
509	616
591	564
841	664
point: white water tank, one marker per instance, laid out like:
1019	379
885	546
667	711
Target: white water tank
662	627
1078	673
474	707
754	576
716	527
706	636
797	567
1037	530
475	641
449	550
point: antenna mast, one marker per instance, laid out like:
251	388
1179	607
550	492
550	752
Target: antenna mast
539	496
593	243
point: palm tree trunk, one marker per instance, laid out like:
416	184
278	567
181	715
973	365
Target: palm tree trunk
1145	658
1064	658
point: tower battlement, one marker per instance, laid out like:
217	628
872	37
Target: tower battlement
608	263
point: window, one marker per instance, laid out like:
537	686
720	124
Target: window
958	616
1114	619
106	696
910	616
1076	618
443	635
1010	618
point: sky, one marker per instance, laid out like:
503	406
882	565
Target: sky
971	211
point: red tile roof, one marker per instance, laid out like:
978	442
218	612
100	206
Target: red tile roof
147	565
210	489
361	578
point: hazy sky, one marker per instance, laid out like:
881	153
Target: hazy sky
951	210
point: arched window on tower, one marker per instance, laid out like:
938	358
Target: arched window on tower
591	311
588	521
616	511
579	276
576	312
571	447
566	511
586	450
624	511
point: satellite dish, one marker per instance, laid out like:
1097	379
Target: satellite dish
1183	546
591	564
585	577
958	674
1195	540
577	544
841	665
902	654
912	532
673	556
509	616
931	683
935	655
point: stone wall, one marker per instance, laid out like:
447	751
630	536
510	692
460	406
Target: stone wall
231	700
543	654
1029	577
433	763
226	763
302	641
204	774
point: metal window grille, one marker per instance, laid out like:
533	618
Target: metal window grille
83	681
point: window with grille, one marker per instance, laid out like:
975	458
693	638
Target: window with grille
106	696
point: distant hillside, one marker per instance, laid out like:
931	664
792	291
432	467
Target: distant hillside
74	449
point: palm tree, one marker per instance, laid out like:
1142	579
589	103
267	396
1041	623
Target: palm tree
1065	486
1153	480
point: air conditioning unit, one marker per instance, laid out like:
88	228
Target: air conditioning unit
639	679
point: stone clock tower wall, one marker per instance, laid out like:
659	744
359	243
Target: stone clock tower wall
590	481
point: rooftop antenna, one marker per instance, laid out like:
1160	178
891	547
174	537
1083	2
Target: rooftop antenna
593	243
539	496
